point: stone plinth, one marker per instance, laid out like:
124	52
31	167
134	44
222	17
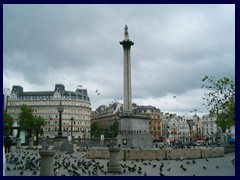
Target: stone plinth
134	131
47	162
114	165
30	143
67	146
18	143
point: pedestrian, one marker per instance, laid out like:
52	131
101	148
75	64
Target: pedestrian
4	161
8	144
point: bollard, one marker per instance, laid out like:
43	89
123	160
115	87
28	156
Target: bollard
114	166
47	162
30	143
58	143
18	143
101	143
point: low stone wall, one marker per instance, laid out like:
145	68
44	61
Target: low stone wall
230	148
127	153
186	153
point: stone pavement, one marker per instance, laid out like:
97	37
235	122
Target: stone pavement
26	162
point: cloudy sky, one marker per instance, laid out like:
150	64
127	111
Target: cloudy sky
175	46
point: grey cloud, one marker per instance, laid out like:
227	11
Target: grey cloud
175	46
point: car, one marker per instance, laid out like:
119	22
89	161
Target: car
193	143
200	141
156	140
178	144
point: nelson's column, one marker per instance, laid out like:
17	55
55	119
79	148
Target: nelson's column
134	129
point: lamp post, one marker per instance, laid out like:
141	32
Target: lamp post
71	127
60	109
7	99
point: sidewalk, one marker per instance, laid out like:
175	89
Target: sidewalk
221	166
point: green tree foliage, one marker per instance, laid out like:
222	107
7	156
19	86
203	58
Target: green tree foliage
112	131
7	123
39	123
220	100
95	130
28	120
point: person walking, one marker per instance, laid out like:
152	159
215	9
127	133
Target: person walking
8	144
4	161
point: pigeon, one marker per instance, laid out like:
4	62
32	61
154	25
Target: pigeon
184	168
161	174
204	167
169	169
217	167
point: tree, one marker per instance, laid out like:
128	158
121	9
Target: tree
7	123
112	131
95	130
40	122
220	100
28	120
26	117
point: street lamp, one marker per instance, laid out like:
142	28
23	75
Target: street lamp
60	109
71	126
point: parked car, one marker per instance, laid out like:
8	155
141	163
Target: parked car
178	144
200	141
156	140
194	143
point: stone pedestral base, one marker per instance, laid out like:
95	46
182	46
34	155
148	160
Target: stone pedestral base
67	146
30	143
18	143
134	131
47	162
114	165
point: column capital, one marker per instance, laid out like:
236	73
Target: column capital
126	44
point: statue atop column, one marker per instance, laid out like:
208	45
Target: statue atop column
126	36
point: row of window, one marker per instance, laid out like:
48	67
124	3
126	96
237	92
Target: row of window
66	110
82	123
55	129
48	103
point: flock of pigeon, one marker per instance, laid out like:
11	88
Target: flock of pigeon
27	163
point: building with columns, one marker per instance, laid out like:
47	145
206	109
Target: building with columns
209	126
155	122
105	116
44	104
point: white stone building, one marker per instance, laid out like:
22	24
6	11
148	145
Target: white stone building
44	103
209	126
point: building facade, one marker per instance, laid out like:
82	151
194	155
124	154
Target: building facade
209	126
44	104
105	116
155	122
